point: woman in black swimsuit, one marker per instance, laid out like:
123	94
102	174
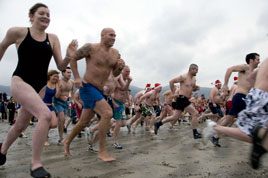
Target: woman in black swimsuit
35	48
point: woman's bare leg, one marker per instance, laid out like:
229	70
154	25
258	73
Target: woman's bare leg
31	105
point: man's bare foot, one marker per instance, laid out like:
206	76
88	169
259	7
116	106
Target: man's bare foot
171	127
66	149
46	143
134	130
105	156
152	131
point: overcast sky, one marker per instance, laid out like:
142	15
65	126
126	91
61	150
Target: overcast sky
158	39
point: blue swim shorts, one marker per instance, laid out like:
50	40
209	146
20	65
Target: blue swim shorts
89	94
215	110
238	104
61	106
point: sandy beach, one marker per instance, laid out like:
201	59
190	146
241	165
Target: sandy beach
172	153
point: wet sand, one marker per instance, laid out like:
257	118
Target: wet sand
172	153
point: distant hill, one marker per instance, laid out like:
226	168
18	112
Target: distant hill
203	90
5	89
133	89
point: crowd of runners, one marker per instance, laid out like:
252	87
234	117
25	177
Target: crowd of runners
100	102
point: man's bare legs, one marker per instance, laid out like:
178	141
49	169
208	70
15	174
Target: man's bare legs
106	113
86	116
136	124
194	115
118	124
152	120
31	105
69	120
194	120
61	121
225	121
176	115
233	132
133	120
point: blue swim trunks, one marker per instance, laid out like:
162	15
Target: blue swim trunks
61	106
215	110
238	104
89	94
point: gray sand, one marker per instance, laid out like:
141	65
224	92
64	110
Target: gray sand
172	153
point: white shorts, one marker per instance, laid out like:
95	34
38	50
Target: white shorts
256	112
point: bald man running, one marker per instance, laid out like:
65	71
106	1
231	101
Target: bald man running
101	59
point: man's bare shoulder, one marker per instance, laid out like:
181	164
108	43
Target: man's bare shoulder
139	93
167	92
71	81
150	93
214	89
183	77
115	50
240	68
93	45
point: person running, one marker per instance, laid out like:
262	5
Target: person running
157	105
108	90
147	110
231	95
193	100
47	93
201	102
167	110
76	109
137	108
35	48
216	98
101	60
120	96
128	105
65	89
252	122
244	85
187	86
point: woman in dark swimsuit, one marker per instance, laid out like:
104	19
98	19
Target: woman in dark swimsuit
35	48
47	93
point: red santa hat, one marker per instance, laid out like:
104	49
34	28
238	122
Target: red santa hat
157	85
148	85
217	82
